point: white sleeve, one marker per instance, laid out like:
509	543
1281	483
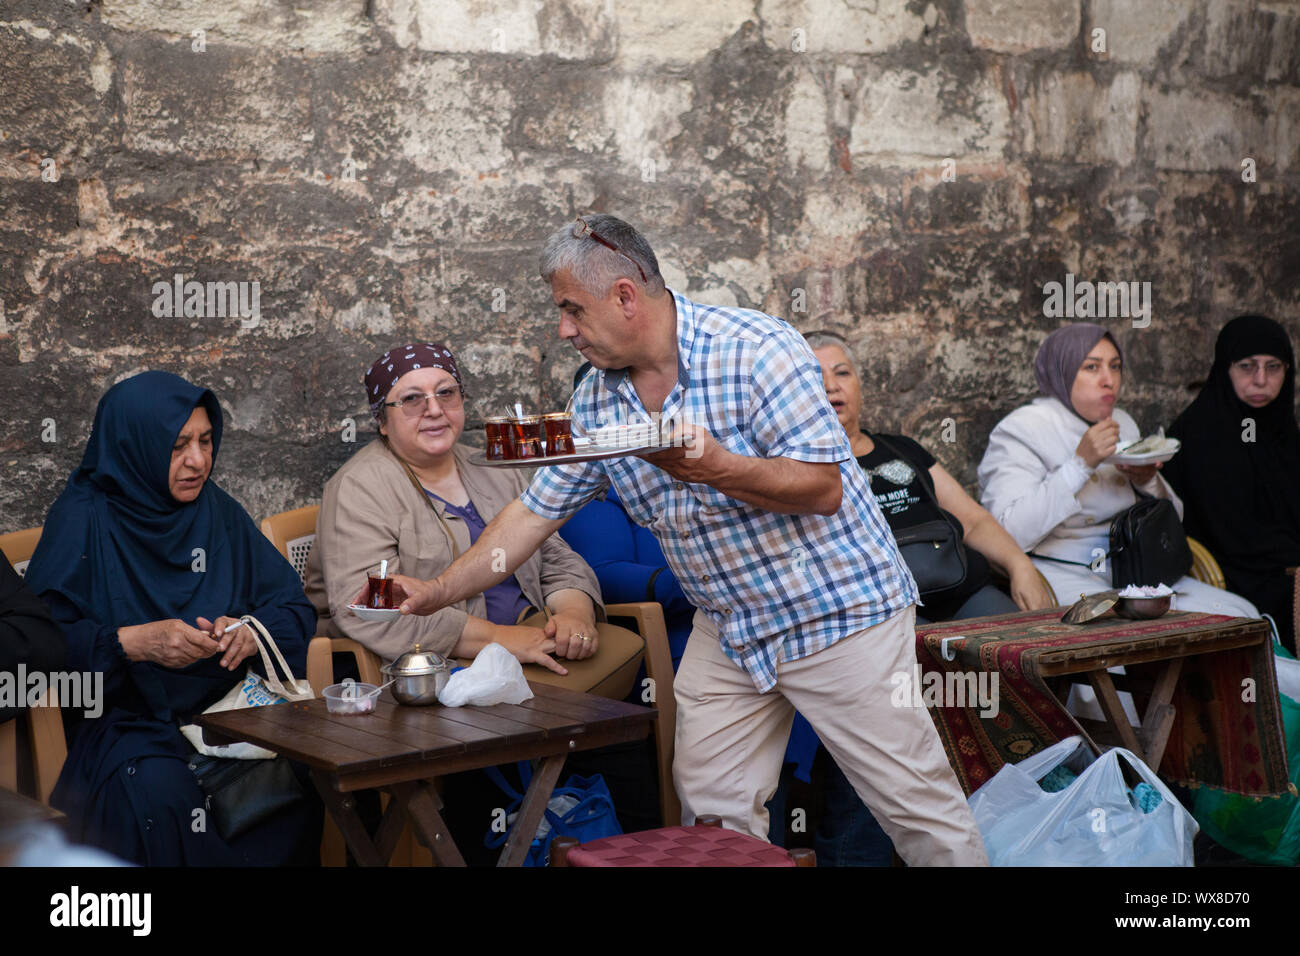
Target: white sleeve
1019	490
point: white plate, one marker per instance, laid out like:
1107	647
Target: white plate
1150	458
375	613
588	453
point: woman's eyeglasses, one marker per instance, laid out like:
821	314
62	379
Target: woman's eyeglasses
413	405
581	230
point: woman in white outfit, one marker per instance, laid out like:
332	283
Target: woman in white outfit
1045	479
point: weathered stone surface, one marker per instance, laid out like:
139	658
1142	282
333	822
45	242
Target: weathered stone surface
810	26
1200	130
1072	118
807	130
260	110
1136	32
677	30
387	170
986	198
1260	41
569	29
1284	128
56	89
905	116
1015	26
324	26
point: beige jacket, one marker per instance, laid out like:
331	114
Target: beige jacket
371	511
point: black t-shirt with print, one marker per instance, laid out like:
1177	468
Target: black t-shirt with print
899	475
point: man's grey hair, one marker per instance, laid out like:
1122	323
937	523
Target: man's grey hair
597	268
821	339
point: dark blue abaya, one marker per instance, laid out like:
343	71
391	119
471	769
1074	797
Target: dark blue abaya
118	550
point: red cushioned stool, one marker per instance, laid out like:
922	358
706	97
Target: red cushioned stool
705	844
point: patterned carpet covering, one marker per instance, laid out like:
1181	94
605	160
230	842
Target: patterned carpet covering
1219	739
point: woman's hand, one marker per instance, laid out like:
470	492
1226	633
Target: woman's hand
171	643
1027	588
1099	442
1139	474
529	644
234	640
574	634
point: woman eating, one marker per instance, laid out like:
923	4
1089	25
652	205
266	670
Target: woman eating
1237	469
412	498
1046	479
147	566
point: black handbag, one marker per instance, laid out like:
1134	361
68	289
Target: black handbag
1148	545
242	794
933	550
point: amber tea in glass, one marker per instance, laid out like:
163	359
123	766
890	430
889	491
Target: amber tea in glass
559	433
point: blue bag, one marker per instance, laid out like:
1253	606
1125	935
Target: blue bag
590	818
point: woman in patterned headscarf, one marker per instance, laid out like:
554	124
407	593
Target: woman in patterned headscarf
412	497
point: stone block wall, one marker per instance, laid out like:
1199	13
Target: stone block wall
908	172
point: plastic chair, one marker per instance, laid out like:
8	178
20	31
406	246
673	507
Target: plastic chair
1204	568
19	546
293	533
705	844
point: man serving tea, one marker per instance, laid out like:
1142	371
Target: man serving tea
769	526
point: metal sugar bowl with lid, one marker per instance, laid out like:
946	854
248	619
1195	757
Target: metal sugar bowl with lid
418	676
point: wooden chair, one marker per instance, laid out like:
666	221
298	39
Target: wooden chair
704	844
1048	585
41	726
19	546
42	735
293	533
1204	568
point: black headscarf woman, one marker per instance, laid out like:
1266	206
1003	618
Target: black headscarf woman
141	544
1238	468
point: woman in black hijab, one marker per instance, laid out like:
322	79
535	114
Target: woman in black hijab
1239	465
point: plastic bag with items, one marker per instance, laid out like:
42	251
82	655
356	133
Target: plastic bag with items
1094	821
495	677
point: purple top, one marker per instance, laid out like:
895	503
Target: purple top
505	601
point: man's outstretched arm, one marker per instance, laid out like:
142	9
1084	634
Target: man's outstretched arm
506	543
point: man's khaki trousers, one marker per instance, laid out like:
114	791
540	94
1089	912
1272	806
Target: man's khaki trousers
731	740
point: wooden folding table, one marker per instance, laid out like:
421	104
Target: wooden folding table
402	750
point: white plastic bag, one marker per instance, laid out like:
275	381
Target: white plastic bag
1090	823
495	677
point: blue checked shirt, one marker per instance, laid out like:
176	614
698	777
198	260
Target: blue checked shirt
780	587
